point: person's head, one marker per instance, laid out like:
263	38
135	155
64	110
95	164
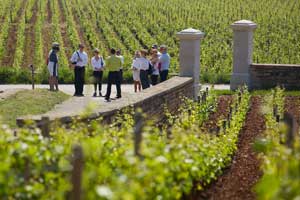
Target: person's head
96	52
118	52
112	51
154	52
137	54
81	47
163	48
154	46
144	52
55	46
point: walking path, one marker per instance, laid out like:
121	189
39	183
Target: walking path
80	105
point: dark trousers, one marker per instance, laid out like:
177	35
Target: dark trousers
98	80
154	79
144	79
79	79
113	77
121	75
163	75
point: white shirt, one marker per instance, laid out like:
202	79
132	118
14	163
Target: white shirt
142	63
81	60
156	70
97	64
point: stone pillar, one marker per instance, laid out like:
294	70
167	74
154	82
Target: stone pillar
189	57
242	53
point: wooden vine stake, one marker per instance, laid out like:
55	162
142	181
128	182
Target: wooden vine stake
275	110
32	76
199	99
77	163
138	128
224	126
45	126
239	97
203	97
228	119
292	129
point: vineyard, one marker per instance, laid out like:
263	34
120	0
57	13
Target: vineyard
28	28
202	152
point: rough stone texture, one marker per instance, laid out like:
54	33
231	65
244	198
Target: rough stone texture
265	76
189	57
151	101
242	52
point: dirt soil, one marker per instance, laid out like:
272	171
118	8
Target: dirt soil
211	125
8	59
30	37
292	106
47	31
237	181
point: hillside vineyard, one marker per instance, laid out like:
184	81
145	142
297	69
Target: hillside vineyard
28	28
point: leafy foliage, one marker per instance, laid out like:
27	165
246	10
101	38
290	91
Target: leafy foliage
280	164
132	25
39	168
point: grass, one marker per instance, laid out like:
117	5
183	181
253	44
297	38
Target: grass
29	102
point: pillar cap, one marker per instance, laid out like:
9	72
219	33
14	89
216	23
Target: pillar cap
244	25
190	34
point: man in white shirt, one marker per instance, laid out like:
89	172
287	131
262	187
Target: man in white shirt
79	60
98	67
143	65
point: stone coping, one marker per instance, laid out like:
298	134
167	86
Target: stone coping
112	107
274	65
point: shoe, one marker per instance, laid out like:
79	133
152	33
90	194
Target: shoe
95	94
81	95
107	99
100	94
118	97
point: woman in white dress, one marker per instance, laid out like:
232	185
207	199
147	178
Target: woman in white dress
136	72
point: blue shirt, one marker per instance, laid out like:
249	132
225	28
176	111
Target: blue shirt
165	61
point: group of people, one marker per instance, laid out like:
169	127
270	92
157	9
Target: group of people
146	71
157	65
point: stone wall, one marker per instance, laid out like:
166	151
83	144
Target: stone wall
152	101
265	76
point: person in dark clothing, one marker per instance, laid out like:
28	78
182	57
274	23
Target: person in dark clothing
52	63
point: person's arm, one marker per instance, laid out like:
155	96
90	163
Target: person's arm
162	59
93	63
74	57
134	64
107	63
85	59
103	64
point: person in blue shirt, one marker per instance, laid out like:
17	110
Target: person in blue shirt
164	63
